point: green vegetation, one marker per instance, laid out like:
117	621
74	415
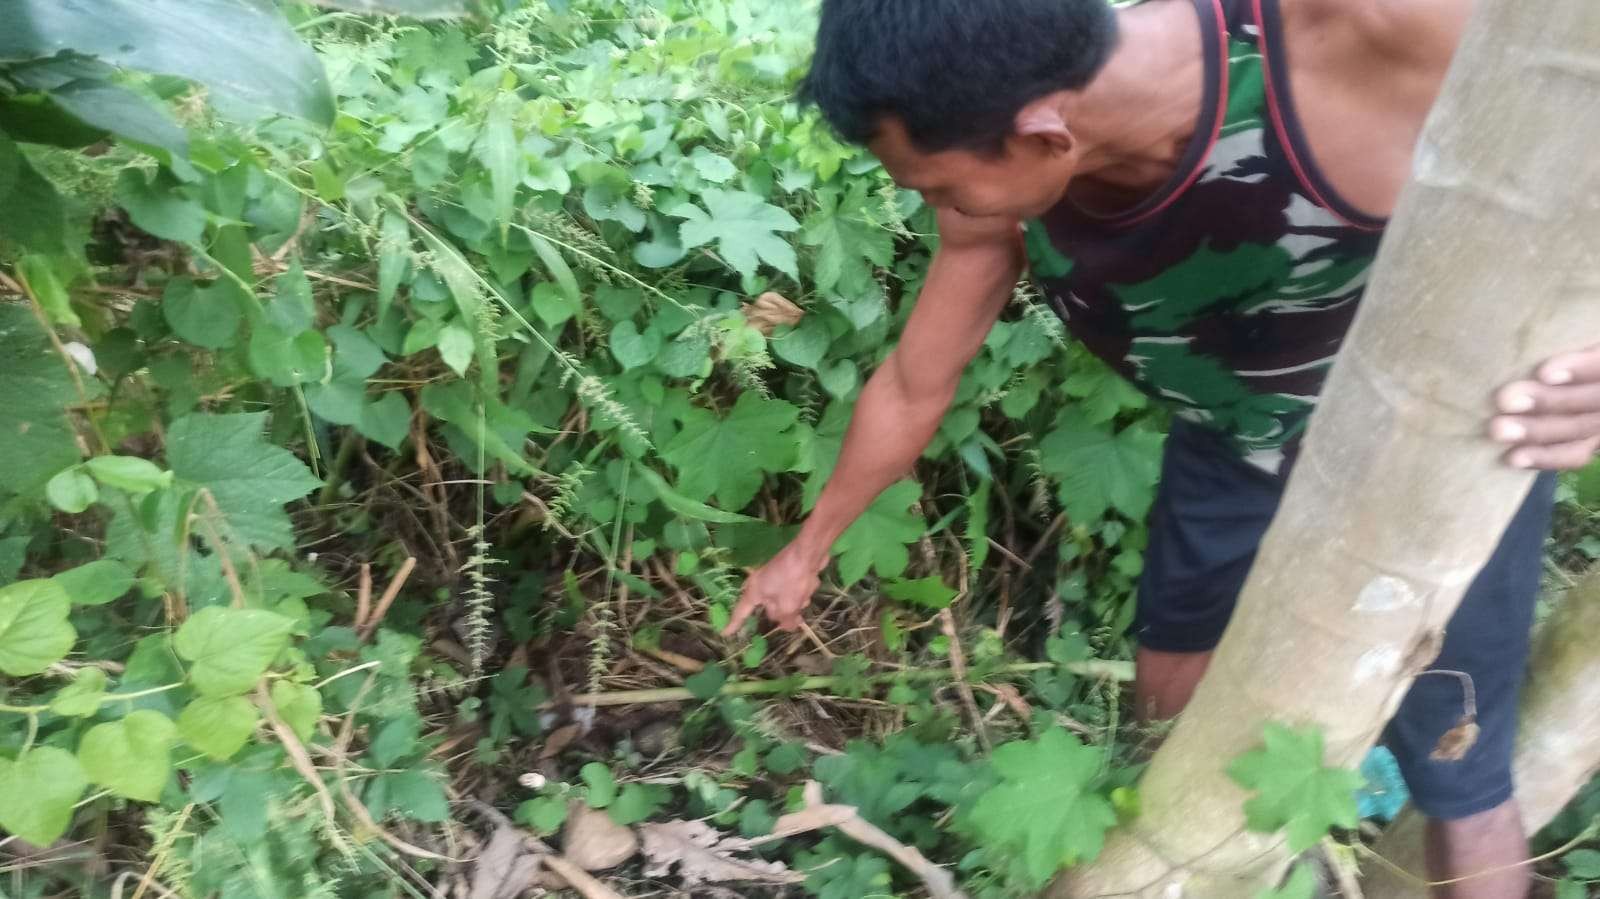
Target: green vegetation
385	405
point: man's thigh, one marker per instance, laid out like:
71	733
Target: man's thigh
1211	510
1487	642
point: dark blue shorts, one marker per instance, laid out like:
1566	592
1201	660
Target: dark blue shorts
1210	513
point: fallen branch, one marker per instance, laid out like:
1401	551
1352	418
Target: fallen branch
579	879
818	815
1096	668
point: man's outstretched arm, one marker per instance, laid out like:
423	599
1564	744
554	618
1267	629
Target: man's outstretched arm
969	282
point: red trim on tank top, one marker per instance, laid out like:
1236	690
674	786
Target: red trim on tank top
1216	127
1286	139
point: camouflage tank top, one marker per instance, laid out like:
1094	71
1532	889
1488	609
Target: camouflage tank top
1228	291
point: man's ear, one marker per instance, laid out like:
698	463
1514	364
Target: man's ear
1042	119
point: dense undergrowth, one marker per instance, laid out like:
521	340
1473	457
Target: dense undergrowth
372	475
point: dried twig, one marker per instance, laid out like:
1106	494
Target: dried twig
579	879
1097	668
818	814
958	667
387	599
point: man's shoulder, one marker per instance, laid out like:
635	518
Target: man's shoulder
1408	32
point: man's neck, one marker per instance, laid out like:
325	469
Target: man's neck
1134	119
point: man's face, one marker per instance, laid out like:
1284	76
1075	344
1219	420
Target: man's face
1027	178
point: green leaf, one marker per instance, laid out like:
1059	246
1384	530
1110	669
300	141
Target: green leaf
1565	889
125	114
130	757
1100	470
299	705
1043	807
130	473
203	316
744	227
394	256
250	478
848	245
244	53
229	649
71	491
633	349
685	507
688	356
40	788
602	785
605	202
35	213
544	814
929	592
456	346
95	583
501	154
158	206
82	697
728	457
1583	864
218	726
417	795
1302	884
707	682
34	632
557	267
878	539
287	359
40	273
386	420
552	305
1294	789
806	344
637	802
713	168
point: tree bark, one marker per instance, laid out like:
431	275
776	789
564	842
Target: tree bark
1558	748
1490	265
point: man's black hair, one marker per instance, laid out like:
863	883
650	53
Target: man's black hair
955	72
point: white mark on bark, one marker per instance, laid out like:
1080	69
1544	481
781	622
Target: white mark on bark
1385	594
1379	662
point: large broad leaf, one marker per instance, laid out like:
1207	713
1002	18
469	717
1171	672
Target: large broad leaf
1043	808
130	757
878	539
1295	791
1099	469
230	649
34	633
36	438
218	726
728	457
242	51
40	789
250	478
745	228
35	215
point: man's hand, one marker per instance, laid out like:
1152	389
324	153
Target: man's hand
1552	422
782	588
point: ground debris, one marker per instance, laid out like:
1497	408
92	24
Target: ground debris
701	854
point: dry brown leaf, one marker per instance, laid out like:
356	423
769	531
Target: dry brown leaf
770	311
703	855
594	842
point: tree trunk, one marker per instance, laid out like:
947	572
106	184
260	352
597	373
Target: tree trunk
1490	265
1558	749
